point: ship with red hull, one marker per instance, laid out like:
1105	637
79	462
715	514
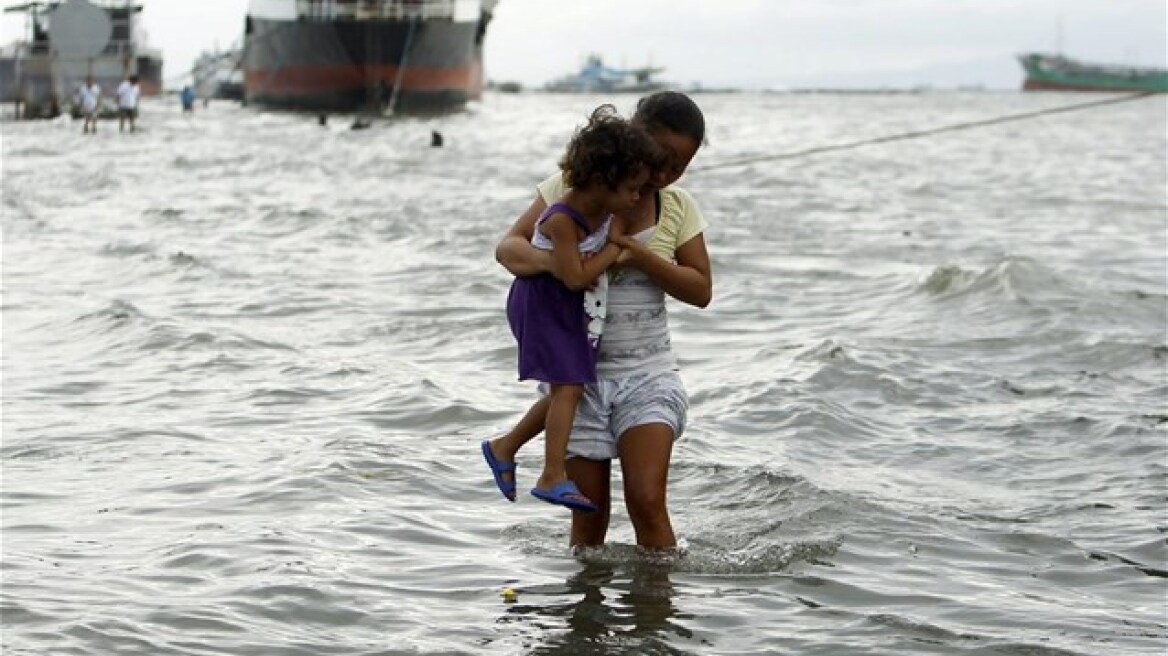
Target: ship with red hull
372	56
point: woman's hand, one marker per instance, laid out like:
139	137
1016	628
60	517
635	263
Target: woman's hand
688	279
632	250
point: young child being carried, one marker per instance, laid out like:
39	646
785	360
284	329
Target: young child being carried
557	317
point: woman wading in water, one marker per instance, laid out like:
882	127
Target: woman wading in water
637	408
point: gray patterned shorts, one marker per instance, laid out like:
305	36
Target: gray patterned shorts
611	407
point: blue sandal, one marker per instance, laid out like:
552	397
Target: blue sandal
498	468
565	494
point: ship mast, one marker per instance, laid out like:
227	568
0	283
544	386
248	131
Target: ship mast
1058	35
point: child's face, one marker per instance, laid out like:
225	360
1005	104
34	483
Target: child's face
628	192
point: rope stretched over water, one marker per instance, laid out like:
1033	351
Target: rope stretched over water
921	133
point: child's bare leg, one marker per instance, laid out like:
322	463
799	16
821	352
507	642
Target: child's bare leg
561	411
506	446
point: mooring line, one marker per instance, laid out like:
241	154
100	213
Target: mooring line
920	133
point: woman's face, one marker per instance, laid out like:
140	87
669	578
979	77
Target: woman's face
679	150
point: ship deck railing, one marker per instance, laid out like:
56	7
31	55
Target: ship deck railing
375	9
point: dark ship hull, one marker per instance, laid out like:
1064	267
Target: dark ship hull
357	64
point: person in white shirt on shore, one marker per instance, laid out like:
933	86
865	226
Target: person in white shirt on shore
89	97
128	92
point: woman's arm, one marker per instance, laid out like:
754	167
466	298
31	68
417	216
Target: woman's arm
515	252
689	280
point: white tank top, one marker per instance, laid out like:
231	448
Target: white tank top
636	333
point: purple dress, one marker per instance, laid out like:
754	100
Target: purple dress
550	321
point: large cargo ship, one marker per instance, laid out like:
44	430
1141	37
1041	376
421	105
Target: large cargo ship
369	56
1046	72
68	41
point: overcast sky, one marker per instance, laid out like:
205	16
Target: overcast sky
752	43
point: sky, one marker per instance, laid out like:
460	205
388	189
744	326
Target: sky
753	44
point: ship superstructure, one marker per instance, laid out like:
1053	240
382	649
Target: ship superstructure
69	41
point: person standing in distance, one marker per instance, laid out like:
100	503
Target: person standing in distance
128	92
188	100
89	97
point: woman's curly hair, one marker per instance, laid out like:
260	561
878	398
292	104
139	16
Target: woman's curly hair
608	150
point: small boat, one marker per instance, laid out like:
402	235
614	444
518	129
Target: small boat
368	56
595	77
1047	72
69	41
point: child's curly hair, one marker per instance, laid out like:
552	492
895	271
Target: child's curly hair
608	150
